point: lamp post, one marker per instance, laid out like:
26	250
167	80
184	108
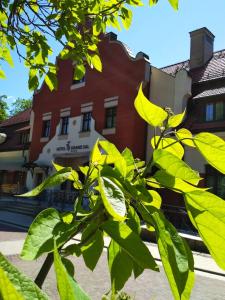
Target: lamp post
2	137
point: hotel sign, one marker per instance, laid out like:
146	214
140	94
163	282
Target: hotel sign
72	148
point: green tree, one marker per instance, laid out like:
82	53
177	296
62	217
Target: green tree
3	108
20	105
77	25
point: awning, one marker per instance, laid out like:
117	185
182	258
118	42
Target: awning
210	92
24	128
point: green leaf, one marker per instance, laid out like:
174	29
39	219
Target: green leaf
173	183
73	177
174	166
212	148
156	199
130	163
2	74
14	285
131	243
51	81
96	62
176	120
176	257
49	223
174	3
93	246
207	213
185	136
68	288
169	144
151	113
33	80
133	220
52	180
120	266
153	2
127	17
79	72
113	198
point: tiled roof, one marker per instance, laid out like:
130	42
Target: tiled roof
215	68
21	117
210	92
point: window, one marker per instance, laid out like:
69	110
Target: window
86	124
46	128
24	138
77	81
214	111
64	125
216	181
110	121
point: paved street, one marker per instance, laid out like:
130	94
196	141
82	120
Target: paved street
150	285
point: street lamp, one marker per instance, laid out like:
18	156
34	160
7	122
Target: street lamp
2	137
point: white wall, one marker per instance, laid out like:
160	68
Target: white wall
168	91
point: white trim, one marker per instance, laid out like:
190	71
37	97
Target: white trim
77	85
86	107
108	131
111	98
44	139
65	112
87	104
84	134
46	116
63	137
111	102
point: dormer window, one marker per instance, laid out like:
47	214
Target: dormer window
214	111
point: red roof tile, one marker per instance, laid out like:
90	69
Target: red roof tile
21	117
215	68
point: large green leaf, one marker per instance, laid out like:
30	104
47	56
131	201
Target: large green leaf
93	246
212	148
130	163
170	145
207	213
133	221
73	177
174	4
120	266
151	113
185	137
113	198
53	180
46	227
16	286
176	257
131	243
175	166
173	183
68	288
113	156
176	120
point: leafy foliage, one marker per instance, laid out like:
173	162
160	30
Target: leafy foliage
20	105
15	285
3	108
76	25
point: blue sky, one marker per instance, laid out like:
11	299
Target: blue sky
159	31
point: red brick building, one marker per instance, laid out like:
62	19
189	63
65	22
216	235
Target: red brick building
67	122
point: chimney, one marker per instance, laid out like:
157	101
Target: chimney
201	47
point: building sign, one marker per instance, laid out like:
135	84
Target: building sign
72	148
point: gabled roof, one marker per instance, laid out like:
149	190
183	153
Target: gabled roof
215	68
21	117
210	92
